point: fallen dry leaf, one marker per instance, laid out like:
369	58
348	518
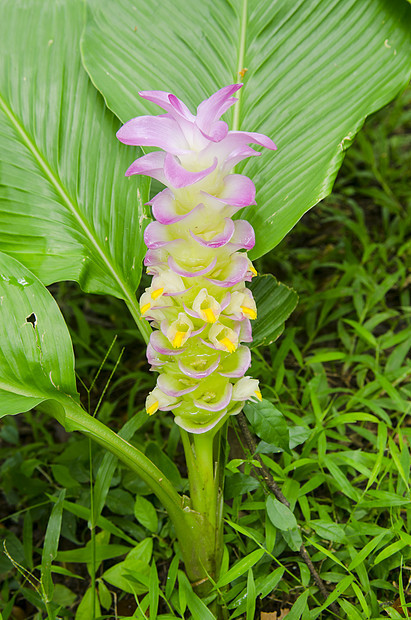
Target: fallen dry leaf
273	615
397	605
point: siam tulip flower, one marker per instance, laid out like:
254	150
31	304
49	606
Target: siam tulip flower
198	302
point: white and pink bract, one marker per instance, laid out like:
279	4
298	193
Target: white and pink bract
198	303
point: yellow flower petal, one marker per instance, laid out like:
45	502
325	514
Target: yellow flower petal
178	339
230	346
210	317
153	408
157	293
249	312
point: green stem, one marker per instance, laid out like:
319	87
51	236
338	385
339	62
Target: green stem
190	459
50	615
204	465
186	522
204	494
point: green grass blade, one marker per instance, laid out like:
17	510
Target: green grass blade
50	546
241	567
195	604
250	606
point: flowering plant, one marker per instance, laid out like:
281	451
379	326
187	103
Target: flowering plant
316	70
198	302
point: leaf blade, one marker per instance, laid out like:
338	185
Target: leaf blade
50	547
268	423
59	146
275	302
322	66
36	358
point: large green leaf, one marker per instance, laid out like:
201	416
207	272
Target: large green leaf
66	209
36	355
275	302
315	70
37	368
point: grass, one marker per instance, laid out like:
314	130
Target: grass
339	375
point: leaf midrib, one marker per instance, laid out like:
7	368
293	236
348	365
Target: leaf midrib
240	63
15	388
55	181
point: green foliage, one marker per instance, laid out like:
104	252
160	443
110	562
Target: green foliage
275	303
128	575
108	465
58	147
36	355
280	516
50	547
240	568
251	598
87	605
313	71
268	423
332	428
299	606
145	513
194	603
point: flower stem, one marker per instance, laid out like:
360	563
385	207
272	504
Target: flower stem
204	496
205	468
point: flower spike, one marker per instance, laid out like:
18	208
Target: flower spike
198	302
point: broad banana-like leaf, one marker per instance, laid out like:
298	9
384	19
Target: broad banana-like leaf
66	210
36	354
313	70
37	369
